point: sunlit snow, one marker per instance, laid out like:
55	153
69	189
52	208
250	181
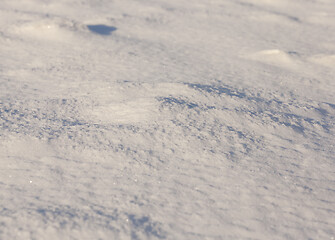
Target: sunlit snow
157	119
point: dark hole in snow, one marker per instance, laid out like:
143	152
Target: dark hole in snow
101	29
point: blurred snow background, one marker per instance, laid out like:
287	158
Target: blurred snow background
156	119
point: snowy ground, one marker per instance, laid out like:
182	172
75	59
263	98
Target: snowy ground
167	119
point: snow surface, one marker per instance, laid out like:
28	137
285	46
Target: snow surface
167	119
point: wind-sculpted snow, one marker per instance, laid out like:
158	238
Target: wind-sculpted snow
78	221
167	120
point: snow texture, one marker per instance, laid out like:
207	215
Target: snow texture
167	119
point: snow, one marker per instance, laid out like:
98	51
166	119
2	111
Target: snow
167	119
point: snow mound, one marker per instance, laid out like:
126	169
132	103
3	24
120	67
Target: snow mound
49	28
277	57
325	60
133	111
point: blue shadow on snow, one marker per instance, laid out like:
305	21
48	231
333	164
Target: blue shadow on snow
101	29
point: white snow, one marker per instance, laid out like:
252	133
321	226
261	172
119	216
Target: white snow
167	119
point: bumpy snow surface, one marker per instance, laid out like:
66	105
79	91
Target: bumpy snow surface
167	119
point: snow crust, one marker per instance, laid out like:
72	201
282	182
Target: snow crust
167	119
